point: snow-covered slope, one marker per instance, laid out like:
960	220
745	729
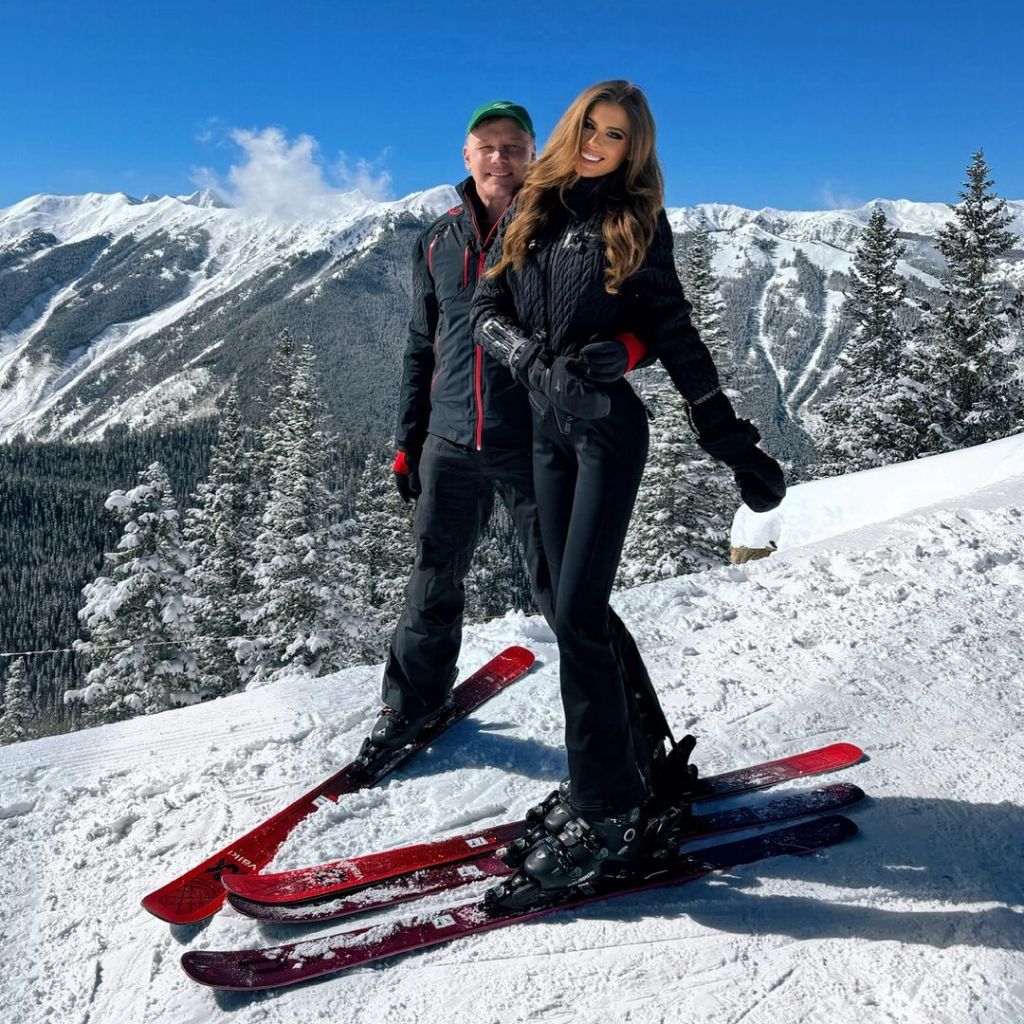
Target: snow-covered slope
903	635
45	379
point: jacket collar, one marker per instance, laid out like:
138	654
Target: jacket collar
473	211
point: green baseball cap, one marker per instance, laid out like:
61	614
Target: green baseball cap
502	108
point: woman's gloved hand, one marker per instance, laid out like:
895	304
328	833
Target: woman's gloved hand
606	360
563	385
733	441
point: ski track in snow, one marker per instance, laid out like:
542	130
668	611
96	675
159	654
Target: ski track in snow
903	636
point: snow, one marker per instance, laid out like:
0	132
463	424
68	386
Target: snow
890	617
826	508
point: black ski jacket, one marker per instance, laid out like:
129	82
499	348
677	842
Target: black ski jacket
450	387
559	294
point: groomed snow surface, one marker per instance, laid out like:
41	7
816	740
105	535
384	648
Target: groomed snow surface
903	636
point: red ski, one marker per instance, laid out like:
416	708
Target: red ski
199	893
428	881
314	958
358	872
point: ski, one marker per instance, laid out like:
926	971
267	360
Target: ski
314	958
199	893
428	881
358	872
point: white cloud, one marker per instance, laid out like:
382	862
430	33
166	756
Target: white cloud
369	176
286	178
831	200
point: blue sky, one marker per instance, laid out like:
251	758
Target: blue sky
795	105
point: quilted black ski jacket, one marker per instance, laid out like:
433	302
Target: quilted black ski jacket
559	293
450	387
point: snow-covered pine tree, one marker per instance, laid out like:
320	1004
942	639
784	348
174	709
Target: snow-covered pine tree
296	571
968	354
498	579
684	507
16	721
702	288
137	616
218	535
380	557
873	418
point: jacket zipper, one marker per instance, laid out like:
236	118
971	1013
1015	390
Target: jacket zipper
478	356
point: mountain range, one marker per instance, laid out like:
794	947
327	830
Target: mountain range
116	310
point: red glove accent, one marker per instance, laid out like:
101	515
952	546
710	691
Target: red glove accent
635	347
401	463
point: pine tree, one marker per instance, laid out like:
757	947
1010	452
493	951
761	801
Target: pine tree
297	570
969	358
137	615
380	557
702	289
498	579
874	417
218	537
16	721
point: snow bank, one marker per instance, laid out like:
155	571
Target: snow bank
826	508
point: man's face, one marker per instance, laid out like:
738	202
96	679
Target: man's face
498	154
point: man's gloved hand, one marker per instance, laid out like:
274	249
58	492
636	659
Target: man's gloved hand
407	480
606	360
733	441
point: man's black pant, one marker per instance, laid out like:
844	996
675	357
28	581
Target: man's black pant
455	503
586	479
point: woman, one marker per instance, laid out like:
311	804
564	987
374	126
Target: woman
583	256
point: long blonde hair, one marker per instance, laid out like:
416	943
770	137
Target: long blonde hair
630	221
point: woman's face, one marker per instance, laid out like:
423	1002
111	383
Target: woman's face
605	140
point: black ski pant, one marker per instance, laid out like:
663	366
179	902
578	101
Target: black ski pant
455	503
587	474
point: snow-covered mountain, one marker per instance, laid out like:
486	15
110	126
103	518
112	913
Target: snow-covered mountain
891	616
114	309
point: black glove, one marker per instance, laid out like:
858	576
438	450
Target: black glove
560	381
604	361
733	441
407	478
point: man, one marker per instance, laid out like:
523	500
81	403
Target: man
464	429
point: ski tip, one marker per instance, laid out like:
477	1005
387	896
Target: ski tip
834	828
184	905
847	792
205	968
849	751
521	654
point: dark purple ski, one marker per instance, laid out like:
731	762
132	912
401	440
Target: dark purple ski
431	880
302	961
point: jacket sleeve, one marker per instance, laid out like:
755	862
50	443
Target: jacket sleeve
492	297
661	319
418	361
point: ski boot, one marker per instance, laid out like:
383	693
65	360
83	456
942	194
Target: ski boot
673	783
547	818
587	853
394	730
